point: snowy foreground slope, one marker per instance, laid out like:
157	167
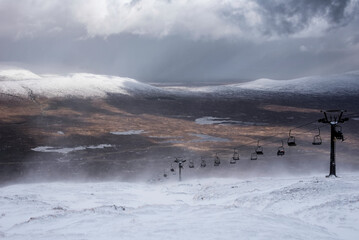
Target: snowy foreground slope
258	208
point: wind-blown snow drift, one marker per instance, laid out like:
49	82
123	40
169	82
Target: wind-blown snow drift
259	208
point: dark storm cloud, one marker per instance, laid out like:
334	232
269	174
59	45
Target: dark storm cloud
252	19
163	40
293	16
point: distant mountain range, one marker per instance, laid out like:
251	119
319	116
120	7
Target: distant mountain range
24	83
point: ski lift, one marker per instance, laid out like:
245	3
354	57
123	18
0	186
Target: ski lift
291	140
217	161
191	164
180	161
172	169
203	163
338	133
235	155
317	140
259	149
254	156
281	151
232	161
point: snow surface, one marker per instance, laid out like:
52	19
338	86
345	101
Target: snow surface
224	121
24	83
69	149
17	75
213	120
130	132
348	82
338	83
260	208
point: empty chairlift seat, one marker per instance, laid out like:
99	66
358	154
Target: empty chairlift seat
259	149
291	140
203	163
235	155
338	133
317	140
191	164
217	161
254	156
280	151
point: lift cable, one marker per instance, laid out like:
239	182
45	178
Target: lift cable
310	130
278	134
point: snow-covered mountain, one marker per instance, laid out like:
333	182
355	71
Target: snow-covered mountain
20	82
311	207
346	83
341	83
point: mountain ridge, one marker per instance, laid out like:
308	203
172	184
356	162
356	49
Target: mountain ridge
22	83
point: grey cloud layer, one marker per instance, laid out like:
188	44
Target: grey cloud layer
214	19
292	16
182	40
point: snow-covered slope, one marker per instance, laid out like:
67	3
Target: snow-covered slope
17	75
258	208
21	82
346	83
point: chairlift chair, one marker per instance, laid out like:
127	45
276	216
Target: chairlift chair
191	164
338	133
180	162
203	163
180	165
217	161
235	155
259	149
232	161
291	140
280	151
254	156
172	169
317	140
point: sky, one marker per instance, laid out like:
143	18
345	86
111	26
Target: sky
182	40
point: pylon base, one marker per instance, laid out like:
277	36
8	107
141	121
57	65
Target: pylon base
331	175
